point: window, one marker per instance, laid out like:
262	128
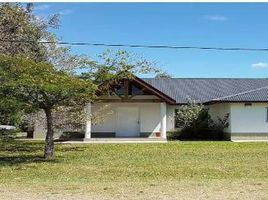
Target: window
266	114
133	90
176	122
136	91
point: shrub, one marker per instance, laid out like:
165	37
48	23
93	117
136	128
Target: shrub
7	134
196	123
217	127
72	135
173	135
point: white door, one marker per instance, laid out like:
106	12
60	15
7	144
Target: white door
127	122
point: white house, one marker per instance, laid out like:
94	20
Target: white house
146	107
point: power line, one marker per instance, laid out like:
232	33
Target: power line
140	45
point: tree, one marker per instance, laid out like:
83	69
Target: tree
163	75
114	66
10	111
42	87
18	23
57	83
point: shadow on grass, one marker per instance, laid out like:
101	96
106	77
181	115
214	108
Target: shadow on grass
23	159
17	152
75	149
12	147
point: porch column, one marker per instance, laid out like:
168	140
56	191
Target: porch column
88	121
163	114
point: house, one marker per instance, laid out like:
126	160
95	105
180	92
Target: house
146	107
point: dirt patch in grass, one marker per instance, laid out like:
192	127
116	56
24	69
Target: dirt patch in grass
151	190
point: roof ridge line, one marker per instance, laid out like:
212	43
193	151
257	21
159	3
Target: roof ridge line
245	92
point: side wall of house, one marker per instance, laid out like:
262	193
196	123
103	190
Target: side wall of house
249	122
246	122
149	118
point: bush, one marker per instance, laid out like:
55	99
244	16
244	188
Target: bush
173	135
196	123
7	134
72	135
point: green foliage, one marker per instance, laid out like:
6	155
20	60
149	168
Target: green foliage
10	111
196	123
7	134
19	24
71	135
112	67
40	85
173	135
191	115
48	80
221	123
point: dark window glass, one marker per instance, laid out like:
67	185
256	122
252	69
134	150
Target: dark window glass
119	89
176	125
266	114
136	91
133	90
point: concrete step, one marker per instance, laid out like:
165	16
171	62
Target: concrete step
120	140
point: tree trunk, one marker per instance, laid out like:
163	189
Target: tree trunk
49	146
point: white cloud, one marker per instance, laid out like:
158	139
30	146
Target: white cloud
42	7
259	65
216	17
66	12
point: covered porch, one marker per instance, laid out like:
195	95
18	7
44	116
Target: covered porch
129	120
138	110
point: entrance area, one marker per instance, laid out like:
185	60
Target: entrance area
127	122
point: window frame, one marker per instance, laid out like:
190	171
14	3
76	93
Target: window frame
175	119
266	114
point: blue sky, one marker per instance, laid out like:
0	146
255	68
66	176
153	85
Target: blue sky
185	24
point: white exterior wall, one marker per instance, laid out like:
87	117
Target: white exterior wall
108	123
245	122
242	119
249	119
149	117
163	124
171	117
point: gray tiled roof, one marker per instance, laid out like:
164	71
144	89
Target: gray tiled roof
259	94
212	89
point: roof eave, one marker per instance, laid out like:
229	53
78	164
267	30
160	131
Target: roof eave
155	91
232	101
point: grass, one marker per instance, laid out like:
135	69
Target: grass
99	166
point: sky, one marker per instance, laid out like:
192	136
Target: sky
184	24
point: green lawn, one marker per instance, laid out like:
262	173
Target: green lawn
115	170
